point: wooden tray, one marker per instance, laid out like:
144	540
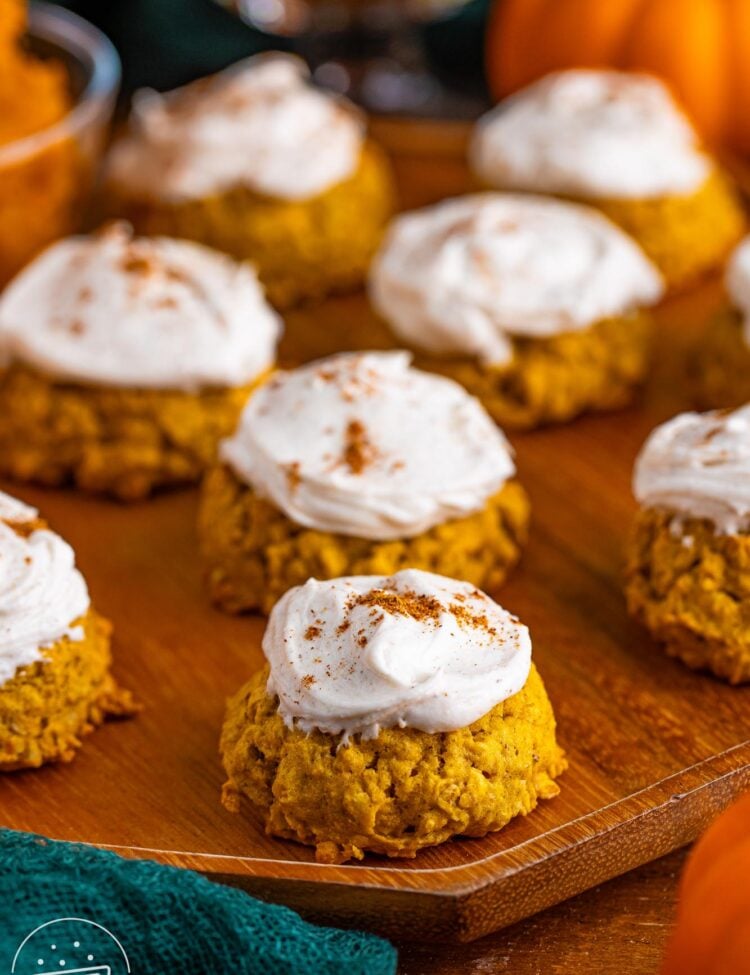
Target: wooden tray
655	751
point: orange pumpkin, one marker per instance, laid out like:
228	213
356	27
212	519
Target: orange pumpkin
712	933
701	47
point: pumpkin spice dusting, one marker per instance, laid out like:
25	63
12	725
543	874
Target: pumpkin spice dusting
419	607
293	476
137	264
24	529
312	632
477	621
359	452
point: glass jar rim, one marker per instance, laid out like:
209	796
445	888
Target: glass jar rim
96	54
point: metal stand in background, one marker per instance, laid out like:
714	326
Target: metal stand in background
373	52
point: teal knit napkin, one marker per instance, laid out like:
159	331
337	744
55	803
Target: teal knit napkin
66	907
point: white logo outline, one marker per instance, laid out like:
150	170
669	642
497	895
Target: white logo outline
83	920
97	969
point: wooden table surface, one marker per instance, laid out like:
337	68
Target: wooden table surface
619	928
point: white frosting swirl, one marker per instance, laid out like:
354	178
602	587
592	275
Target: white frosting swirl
464	276
363	445
416	650
15	512
591	134
259	124
114	310
737	281
42	594
698	466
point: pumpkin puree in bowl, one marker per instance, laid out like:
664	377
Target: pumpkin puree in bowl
44	172
33	93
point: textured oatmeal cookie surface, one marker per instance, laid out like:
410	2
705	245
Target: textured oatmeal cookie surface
399	792
555	379
691	588
254	553
123	442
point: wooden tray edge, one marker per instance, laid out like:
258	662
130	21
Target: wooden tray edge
472	900
675	823
413	915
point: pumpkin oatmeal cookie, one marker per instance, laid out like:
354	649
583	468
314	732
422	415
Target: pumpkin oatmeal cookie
720	367
719	370
616	141
258	163
55	681
685	236
361	465
537	307
127	361
555	379
255	552
352	757
688	573
123	442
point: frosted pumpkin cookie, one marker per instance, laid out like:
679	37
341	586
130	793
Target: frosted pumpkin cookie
356	465
617	141
688	575
721	364
124	361
55	684
394	713
538	307
257	162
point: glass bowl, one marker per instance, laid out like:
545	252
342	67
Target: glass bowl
46	178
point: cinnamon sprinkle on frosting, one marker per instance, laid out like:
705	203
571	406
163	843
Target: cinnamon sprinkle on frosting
359	452
258	124
364	445
43	596
134	263
420	607
465	617
392	651
111	309
293	476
